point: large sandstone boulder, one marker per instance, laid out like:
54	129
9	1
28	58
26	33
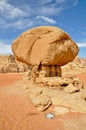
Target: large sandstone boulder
45	45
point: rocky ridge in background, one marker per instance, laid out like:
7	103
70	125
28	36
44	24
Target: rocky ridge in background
8	64
78	65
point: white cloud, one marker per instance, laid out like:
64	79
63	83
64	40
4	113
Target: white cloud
60	1
47	19
24	23
15	12
9	11
81	44
50	10
25	16
44	1
5	48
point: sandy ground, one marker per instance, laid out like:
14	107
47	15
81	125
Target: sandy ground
6	79
17	112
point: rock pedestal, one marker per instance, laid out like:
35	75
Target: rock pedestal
50	71
58	71
45	70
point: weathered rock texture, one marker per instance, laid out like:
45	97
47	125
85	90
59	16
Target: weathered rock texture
38	99
46	47
78	65
66	91
8	64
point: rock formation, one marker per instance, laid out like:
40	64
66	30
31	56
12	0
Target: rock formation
46	47
57	91
8	64
78	65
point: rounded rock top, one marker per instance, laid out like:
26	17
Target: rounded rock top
45	45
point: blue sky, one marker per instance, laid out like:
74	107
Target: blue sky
16	16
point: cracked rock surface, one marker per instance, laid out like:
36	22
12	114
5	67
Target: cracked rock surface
45	45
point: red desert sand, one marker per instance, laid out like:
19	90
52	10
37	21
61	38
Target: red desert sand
17	113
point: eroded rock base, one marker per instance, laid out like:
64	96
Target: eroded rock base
43	71
67	91
50	71
71	95
68	84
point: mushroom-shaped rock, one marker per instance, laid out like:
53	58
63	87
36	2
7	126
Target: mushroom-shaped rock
46	46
